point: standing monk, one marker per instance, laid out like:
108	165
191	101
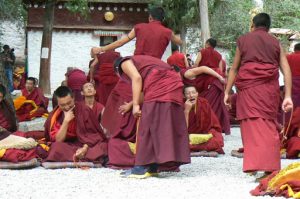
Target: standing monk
102	73
294	62
213	90
151	38
202	120
255	71
32	103
74	131
177	58
162	137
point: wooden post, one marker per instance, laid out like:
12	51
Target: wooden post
205	32
44	77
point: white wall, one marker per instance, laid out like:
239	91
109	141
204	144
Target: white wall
13	35
68	49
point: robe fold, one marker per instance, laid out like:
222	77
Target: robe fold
177	59
24	112
258	100
161	142
85	130
203	121
105	77
75	80
211	89
293	140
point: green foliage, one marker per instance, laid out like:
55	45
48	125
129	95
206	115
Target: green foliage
78	6
12	10
179	13
284	13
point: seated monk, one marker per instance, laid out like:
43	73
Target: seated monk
13	148
74	131
292	136
205	132
32	103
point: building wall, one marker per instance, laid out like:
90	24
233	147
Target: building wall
69	49
13	35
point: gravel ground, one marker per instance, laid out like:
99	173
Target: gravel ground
205	178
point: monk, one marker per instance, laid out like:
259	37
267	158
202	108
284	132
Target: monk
102	73
292	136
7	127
162	137
255	71
75	78
74	131
294	62
177	58
32	103
210	85
151	38
202	120
208	56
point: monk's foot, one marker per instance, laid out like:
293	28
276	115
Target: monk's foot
138	172
261	175
252	173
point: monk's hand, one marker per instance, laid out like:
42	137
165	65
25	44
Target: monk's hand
227	101
69	115
287	104
298	133
80	153
126	107
222	79
136	111
188	105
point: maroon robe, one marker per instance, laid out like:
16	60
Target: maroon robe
294	62
177	59
161	142
23	113
76	78
211	89
151	39
258	100
7	117
210	57
87	130
203	121
105	77
293	141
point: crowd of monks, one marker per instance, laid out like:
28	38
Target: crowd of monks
146	115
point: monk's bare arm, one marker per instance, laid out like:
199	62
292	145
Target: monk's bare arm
115	44
194	72
199	57
136	79
287	104
176	39
233	71
221	65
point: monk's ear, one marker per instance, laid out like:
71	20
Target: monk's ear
81	93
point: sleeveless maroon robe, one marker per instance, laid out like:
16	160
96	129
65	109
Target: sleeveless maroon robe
105	77
161	142
293	141
211	89
210	58
258	100
75	80
205	121
23	114
87	131
151	39
177	59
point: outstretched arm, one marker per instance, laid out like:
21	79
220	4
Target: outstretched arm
198	60
116	44
92	69
193	72
176	39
